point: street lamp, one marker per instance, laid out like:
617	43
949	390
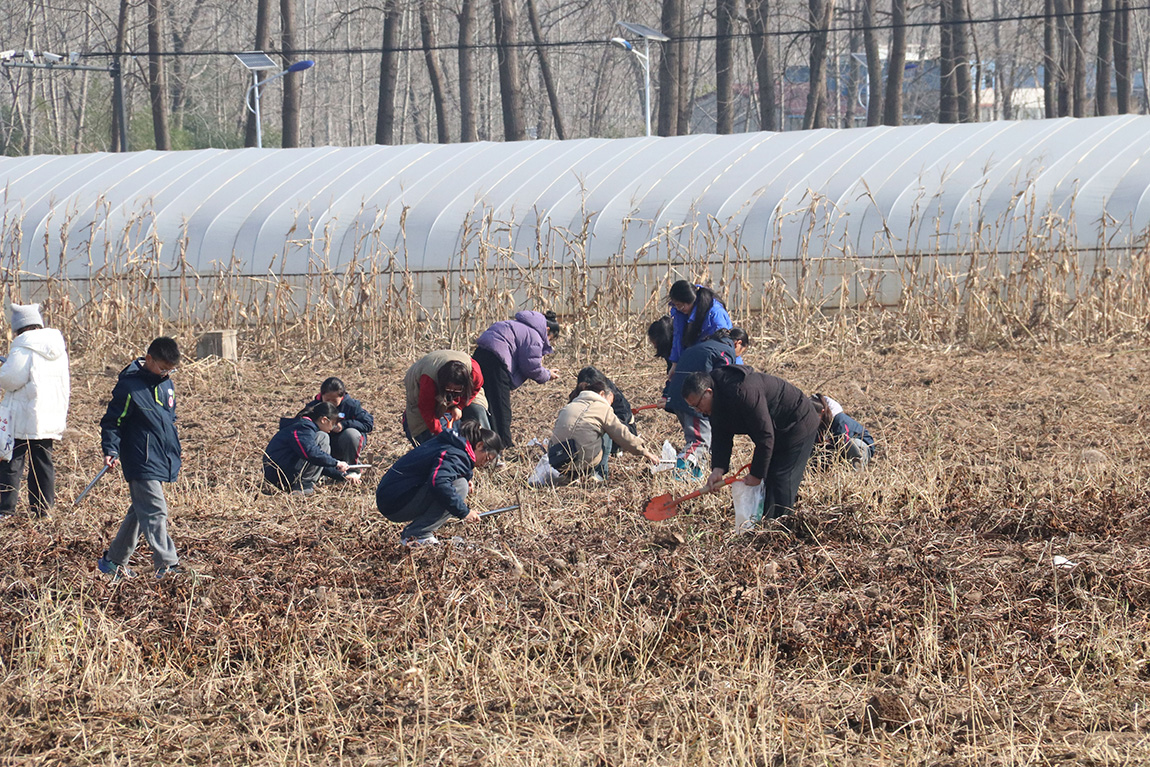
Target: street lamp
648	35
256	62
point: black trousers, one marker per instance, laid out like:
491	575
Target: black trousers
497	388
785	472
41	476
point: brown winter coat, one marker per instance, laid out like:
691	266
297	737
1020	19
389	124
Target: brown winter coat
585	419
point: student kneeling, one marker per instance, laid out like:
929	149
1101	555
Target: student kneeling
585	431
429	485
300	452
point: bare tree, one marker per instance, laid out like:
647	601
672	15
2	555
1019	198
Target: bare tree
960	50
669	86
121	39
467	130
510	87
896	63
291	85
1079	50
388	74
1105	59
434	72
545	70
1050	58
262	43
157	89
1122	56
821	12
873	64
724	26
758	11
948	84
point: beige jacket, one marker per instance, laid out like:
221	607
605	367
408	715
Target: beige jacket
585	419
420	419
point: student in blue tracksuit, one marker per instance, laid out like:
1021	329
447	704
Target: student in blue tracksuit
138	432
696	313
349	434
300	452
429	485
842	435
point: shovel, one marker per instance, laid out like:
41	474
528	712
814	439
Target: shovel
652	406
666	506
91	484
493	512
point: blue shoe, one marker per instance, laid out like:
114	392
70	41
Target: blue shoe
108	567
171	571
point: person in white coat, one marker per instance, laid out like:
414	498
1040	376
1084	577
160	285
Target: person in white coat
36	385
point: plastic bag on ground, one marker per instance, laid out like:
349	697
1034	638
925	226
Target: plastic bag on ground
748	505
667	458
543	473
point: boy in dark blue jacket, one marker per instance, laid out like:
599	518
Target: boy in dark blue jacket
299	453
349	434
841	434
138	431
429	485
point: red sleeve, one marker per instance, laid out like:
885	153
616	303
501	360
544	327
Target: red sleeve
427	391
476	383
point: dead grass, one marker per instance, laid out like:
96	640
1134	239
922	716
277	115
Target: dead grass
911	615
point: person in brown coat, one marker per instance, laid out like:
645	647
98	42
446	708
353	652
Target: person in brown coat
585	431
780	420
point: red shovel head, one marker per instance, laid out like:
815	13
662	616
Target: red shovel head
661	507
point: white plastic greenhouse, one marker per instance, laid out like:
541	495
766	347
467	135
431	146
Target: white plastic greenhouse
766	199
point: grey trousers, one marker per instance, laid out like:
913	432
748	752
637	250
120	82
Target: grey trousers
425	512
696	431
301	475
346	444
149	513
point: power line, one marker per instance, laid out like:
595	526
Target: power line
600	41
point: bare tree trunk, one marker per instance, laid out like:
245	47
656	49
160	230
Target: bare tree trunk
121	39
263	42
1065	59
854	67
510	88
388	74
686	95
724	26
545	69
1079	58
178	71
758	11
960	50
467	131
947	92
672	23
1049	59
873	64
1122	56
291	83
896	62
820	19
434	73
156	87
1104	66
82	112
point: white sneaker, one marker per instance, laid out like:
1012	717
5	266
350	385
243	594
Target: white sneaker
427	540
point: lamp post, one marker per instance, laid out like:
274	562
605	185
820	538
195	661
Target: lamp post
648	35
256	62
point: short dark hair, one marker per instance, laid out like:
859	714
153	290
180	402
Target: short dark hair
476	434
696	384
317	409
332	386
164	349
661	334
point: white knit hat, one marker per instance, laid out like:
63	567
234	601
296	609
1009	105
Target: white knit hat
24	315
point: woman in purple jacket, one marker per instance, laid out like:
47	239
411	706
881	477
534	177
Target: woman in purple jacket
509	352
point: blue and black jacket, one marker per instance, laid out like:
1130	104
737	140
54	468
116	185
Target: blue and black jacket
352	415
844	428
295	441
139	426
703	357
438	462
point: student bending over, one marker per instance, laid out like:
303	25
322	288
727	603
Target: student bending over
300	452
585	431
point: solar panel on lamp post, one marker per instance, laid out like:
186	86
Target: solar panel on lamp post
256	62
648	35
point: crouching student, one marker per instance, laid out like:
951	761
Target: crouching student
619	405
349	435
842	435
429	485
443	388
300	452
585	431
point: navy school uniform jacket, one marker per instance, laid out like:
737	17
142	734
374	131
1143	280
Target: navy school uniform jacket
703	357
296	440
764	407
353	416
139	426
438	462
844	428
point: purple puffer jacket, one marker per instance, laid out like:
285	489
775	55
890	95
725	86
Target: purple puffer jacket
520	344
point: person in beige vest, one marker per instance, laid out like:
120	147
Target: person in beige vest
585	431
443	388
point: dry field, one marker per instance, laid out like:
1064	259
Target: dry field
912	615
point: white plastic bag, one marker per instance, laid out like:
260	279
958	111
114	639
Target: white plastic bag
666	459
748	505
543	473
7	440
